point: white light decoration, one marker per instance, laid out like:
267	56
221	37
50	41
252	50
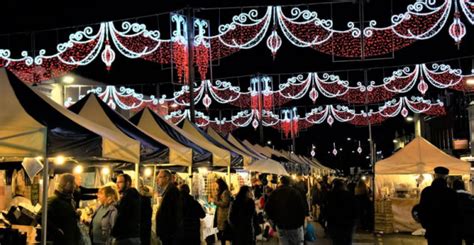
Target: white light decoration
274	43
108	56
105	171
59	160
422	20
78	169
334	150
147	172
401	81
359	149
68	79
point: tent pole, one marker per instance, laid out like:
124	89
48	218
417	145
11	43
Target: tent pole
154	177
137	175
190	177
44	213
228	174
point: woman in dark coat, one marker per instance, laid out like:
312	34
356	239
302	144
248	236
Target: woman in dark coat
192	215
341	213
242	217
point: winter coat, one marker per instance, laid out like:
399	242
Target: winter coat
169	217
439	212
62	216
107	222
192	215
127	223
286	208
145	220
466	203
341	212
242	218
223	203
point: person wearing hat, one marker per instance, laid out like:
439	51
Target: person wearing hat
439	211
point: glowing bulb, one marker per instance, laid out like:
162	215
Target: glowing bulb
409	119
363	177
269	142
68	79
470	81
39	158
148	172
78	169
59	160
293	176
105	171
174	105
395	141
348	139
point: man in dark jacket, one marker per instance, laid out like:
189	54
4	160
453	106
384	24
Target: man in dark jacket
439	210
169	217
192	215
62	219
286	208
341	213
126	230
466	206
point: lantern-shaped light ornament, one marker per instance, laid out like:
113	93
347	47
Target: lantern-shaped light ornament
255	124
274	43
313	153
206	101
334	150
330	120
359	149
404	112
313	94
422	86
457	30
108	55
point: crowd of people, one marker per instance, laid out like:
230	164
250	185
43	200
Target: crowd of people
340	206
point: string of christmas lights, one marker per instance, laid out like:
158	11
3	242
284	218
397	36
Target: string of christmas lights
261	96
290	122
302	28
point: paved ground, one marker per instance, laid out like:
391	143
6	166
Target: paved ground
365	238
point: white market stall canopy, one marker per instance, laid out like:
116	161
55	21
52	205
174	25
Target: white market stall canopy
420	157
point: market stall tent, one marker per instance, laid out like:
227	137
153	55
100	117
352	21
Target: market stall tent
402	176
421	157
268	166
153	150
226	155
247	159
155	125
32	125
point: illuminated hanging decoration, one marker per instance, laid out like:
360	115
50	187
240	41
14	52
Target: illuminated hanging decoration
334	150
108	55
313	151
302	28
274	40
290	123
457	30
359	149
125	99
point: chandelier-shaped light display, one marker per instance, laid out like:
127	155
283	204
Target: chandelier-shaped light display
302	28
290	123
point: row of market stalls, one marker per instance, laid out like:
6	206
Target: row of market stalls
35	131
